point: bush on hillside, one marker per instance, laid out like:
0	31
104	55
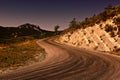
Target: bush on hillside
108	28
117	21
116	49
112	34
115	28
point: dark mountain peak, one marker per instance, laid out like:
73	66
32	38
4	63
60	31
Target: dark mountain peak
26	29
30	26
26	24
1	27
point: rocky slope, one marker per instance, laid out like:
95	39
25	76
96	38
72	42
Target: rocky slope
23	30
103	35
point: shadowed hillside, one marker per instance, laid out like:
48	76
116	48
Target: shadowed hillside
18	46
23	32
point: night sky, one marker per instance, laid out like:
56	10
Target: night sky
48	13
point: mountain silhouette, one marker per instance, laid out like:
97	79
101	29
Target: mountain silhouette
24	30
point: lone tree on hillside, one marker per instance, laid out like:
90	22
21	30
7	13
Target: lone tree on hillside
56	29
109	7
73	23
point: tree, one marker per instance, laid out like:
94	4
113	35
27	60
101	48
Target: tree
73	23
109	7
56	29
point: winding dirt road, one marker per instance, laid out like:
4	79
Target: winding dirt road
69	63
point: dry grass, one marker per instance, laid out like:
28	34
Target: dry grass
18	53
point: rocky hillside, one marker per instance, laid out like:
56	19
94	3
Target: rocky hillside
24	30
101	32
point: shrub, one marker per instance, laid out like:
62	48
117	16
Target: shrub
117	21
117	49
118	28
112	34
108	28
115	28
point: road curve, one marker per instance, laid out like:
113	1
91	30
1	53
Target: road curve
64	62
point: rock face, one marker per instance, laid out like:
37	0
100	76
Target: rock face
98	37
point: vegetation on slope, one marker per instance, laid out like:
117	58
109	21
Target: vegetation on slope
108	20
109	13
24	30
114	30
18	45
19	53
